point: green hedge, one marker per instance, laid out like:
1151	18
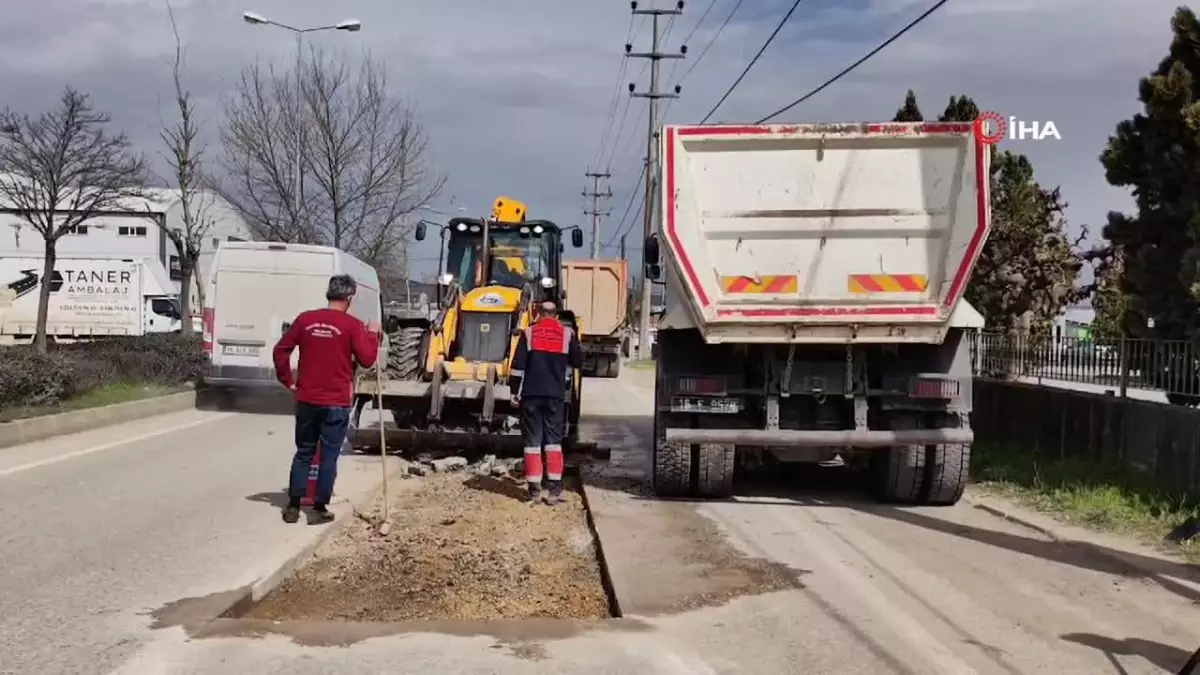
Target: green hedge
31	379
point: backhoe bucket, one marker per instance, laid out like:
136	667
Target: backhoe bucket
442	414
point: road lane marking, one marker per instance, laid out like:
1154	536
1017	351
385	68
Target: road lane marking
108	446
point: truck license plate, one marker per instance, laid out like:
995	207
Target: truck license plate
240	350
726	406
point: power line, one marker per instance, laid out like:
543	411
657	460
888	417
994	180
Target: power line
633	193
674	66
753	60
720	29
612	104
856	64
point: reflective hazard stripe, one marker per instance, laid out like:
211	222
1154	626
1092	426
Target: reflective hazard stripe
517	372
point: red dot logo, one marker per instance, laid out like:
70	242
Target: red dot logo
990	127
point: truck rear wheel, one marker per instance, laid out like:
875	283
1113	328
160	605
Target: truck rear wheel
671	464
898	472
672	469
613	367
947	468
404	360
715	470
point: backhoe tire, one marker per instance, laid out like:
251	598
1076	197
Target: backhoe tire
898	472
715	470
947	467
404	353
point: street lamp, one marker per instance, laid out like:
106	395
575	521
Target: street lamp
350	26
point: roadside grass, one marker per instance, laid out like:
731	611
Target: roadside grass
1108	498
105	394
641	364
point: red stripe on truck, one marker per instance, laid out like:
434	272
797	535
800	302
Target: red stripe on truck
960	276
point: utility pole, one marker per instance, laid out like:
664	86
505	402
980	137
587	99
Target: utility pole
596	213
654	95
623	256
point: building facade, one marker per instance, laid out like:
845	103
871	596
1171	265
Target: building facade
136	231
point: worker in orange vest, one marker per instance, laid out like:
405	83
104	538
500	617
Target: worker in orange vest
547	351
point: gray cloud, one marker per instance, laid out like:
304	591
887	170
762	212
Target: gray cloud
515	95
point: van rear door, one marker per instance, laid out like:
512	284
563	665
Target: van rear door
259	292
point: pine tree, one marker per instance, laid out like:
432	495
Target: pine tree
1157	155
909	112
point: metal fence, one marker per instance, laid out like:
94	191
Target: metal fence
1168	366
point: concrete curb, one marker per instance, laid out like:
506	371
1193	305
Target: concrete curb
48	426
606	580
1138	558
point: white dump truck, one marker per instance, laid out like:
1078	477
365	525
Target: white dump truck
91	296
814	277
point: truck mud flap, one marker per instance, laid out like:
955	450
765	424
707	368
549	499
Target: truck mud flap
798	438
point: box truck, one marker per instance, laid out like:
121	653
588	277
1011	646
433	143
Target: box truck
255	291
597	292
814	280
90	297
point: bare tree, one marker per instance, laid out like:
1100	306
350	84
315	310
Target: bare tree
362	156
61	169
184	154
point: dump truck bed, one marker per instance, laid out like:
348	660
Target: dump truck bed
596	292
808	226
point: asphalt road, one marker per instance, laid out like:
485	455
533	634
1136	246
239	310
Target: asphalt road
101	529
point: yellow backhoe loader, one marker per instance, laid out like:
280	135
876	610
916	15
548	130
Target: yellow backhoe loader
446	379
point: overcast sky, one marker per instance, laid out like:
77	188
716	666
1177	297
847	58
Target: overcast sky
515	94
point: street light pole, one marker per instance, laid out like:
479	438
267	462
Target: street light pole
350	26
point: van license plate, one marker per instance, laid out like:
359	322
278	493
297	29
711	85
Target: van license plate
240	350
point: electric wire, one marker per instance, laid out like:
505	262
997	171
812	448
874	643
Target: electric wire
938	5
753	61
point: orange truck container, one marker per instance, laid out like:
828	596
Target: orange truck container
597	292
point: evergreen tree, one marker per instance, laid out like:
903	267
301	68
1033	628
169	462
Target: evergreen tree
909	112
1157	154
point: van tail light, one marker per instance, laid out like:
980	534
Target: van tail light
933	387
207	331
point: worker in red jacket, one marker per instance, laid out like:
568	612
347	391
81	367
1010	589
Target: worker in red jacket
330	342
547	351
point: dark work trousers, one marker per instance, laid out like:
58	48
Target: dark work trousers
324	425
543	425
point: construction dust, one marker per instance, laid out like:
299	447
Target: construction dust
463	546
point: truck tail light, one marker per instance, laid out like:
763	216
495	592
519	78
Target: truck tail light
209	319
702	386
933	387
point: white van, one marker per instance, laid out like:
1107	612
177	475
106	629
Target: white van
256	289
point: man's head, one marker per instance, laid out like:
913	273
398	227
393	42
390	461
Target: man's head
547	310
340	292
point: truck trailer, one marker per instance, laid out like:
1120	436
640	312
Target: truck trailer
596	291
814	278
90	297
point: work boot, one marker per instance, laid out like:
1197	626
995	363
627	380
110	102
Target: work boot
555	495
320	515
291	512
535	492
